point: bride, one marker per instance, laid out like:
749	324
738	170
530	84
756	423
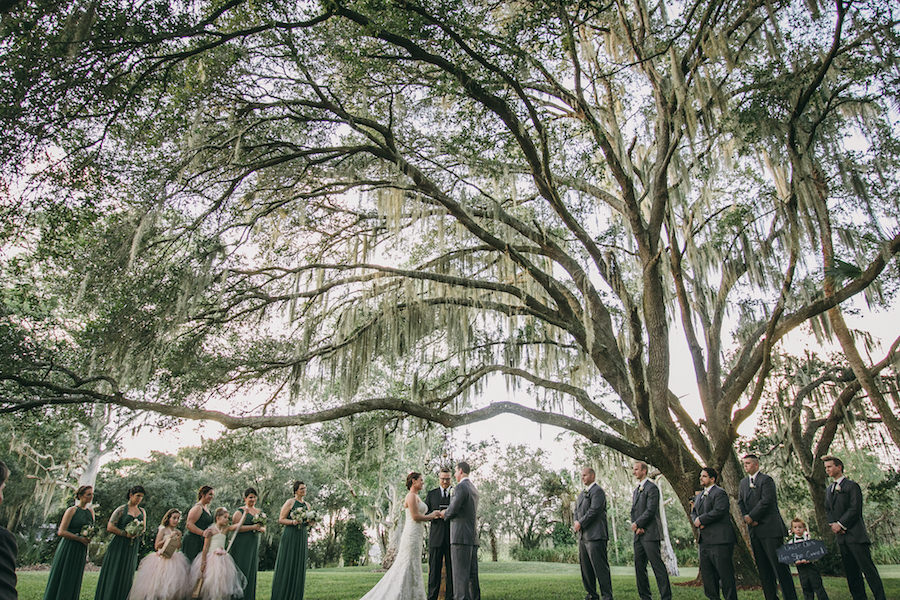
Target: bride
403	581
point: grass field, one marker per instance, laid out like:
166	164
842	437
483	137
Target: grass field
499	581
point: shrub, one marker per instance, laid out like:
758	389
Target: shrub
562	535
354	543
564	554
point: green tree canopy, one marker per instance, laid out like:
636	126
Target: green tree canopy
547	192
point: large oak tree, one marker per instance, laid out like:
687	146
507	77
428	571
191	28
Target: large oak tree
450	192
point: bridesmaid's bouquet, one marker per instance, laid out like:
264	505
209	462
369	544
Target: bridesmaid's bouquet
261	519
134	527
304	515
88	531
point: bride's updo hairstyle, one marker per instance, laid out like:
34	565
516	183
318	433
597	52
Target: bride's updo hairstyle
411	478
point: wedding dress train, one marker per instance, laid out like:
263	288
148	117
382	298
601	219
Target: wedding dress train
403	581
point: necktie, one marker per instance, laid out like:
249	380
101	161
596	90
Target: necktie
444	493
831	487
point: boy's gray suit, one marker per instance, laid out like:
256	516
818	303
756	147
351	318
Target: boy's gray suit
464	541
590	511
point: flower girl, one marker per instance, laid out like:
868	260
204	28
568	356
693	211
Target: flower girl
221	579
164	574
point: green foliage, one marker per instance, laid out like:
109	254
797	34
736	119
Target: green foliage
557	554
562	535
354	543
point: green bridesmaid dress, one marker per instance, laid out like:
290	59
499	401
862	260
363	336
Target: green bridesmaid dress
191	543
290	564
119	563
68	562
245	552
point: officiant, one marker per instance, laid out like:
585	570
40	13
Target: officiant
439	538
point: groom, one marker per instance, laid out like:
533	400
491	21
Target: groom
463	537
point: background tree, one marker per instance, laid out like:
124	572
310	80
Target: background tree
470	191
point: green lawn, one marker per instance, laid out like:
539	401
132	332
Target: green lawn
499	581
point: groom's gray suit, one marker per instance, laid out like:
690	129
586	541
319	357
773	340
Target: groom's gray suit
464	541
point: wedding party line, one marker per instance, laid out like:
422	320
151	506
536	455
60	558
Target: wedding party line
202	563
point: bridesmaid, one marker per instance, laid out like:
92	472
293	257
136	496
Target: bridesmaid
290	564
121	558
198	519
64	582
245	547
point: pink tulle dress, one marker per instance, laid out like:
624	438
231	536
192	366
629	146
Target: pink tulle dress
223	580
163	578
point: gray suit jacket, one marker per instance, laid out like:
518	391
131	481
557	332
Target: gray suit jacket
712	511
760	503
845	507
590	511
645	512
461	514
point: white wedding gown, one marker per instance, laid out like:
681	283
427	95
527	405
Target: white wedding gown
403	581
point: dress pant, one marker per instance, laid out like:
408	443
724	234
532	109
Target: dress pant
595	569
465	572
857	560
769	568
437	557
717	571
645	551
811	582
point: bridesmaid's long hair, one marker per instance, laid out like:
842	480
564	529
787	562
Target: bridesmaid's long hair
82	490
204	491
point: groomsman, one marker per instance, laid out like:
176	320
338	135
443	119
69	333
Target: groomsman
646	523
843	506
716	537
758	502
439	538
593	534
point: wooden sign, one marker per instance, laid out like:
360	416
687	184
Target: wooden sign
806	550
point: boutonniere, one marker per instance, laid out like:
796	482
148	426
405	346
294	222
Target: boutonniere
705	493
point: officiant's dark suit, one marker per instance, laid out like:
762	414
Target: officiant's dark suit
439	543
758	502
716	538
593	535
645	515
464	536
843	505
